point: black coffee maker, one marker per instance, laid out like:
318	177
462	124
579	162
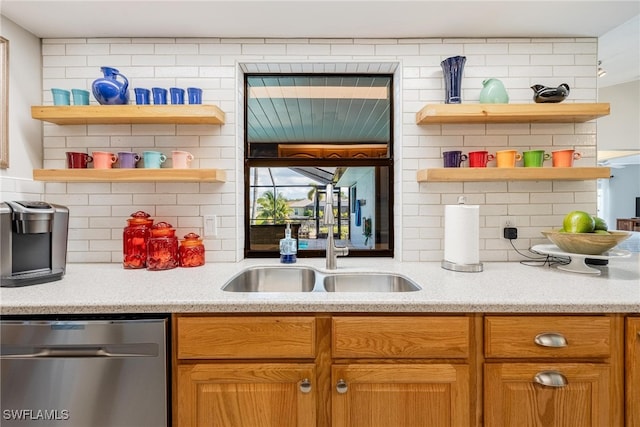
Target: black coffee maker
33	242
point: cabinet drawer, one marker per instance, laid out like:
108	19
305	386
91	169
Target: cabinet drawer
556	336
400	337
246	337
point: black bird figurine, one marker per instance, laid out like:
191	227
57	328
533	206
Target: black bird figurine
543	93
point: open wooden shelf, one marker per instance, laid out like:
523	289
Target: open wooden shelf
512	174
511	113
130	175
129	114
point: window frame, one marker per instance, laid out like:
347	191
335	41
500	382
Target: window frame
387	162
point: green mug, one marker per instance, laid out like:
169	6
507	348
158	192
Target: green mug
535	158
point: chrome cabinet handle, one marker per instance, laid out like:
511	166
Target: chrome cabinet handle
550	339
305	385
341	386
551	379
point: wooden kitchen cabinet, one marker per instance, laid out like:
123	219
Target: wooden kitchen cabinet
246	395
556	371
397	394
245	371
401	371
632	370
325	371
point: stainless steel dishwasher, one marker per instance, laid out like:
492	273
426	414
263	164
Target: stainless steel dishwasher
84	372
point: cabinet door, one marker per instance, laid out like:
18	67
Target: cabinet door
633	372
421	395
246	395
579	398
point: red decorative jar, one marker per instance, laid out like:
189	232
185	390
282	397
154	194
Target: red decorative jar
135	239
191	251
162	251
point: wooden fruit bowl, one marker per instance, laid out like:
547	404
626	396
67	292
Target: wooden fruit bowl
586	243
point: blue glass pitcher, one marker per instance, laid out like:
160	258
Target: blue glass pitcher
108	90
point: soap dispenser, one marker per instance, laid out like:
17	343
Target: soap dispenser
288	247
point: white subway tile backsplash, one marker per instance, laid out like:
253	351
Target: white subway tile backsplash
99	210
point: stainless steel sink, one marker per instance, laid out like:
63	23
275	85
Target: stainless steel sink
369	282
273	279
306	279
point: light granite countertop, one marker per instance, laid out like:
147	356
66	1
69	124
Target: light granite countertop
502	287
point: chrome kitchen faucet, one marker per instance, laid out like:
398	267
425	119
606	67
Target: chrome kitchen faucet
333	252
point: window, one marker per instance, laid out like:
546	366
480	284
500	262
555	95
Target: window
303	132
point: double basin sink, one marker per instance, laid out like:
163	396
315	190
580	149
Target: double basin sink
307	279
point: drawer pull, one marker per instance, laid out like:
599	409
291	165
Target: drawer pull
551	379
305	385
341	386
550	339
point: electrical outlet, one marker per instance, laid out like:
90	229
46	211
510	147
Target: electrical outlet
506	222
210	225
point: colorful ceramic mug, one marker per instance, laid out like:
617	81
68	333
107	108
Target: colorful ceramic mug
194	94
453	159
564	158
479	159
142	95
128	159
159	95
507	158
153	159
78	160
61	96
177	95
181	159
534	158
80	96
103	159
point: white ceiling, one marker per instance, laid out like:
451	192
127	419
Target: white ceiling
615	22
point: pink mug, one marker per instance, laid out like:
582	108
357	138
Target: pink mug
564	158
181	159
103	159
479	159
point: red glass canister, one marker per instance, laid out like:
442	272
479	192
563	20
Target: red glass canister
162	251
135	239
191	251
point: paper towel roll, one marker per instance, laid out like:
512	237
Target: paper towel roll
462	234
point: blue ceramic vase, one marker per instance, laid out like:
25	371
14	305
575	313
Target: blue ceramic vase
108	90
543	93
493	92
452	70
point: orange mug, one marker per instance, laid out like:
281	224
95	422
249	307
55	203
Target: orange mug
564	158
507	158
103	159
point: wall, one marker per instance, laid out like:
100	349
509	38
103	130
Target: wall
620	130
25	134
624	187
99	210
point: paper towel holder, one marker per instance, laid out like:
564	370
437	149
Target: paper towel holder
465	268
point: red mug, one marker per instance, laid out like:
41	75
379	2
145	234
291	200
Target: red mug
78	160
479	159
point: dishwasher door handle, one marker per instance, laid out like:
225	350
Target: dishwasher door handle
79	351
